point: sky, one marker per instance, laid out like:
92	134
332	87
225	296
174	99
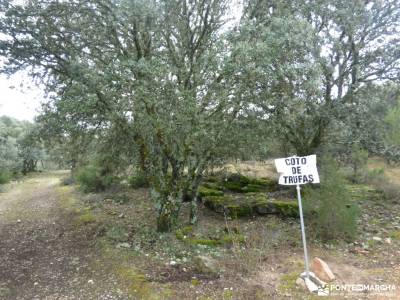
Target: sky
20	98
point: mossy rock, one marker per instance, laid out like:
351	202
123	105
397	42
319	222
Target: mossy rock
253	188
208	191
238	210
241	184
234	186
251	204
237	178
213	186
212	179
269	184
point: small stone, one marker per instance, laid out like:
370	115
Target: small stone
121	216
172	263
377	239
36	283
205	264
388	240
123	245
90	281
300	282
358	250
18	221
322	270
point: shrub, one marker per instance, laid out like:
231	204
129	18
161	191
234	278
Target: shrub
91	179
378	179
331	214
358	161
69	180
139	180
5	177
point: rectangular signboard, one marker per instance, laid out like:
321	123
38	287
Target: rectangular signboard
297	170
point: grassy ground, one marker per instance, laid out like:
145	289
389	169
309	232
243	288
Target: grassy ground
262	259
255	258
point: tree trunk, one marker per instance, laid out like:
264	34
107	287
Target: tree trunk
168	213
193	211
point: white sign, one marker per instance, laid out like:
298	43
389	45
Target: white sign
297	170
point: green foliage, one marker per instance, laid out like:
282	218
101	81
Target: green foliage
92	179
5	177
139	180
20	147
330	212
392	120
358	161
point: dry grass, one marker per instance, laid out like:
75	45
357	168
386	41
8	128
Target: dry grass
391	172
255	169
264	267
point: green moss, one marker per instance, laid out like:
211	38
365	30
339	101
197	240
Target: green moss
136	281
233	238
227	295
242	184
212	178
251	204
195	282
234	186
205	192
85	219
395	234
213	186
215	202
238	178
185	231
185	234
267	183
253	188
239	210
288	281
287	208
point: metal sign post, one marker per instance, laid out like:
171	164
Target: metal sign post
303	232
296	171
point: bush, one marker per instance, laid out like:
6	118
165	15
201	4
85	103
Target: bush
138	180
331	214
4	177
91	179
358	161
69	180
378	179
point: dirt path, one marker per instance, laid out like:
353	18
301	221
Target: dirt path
42	254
